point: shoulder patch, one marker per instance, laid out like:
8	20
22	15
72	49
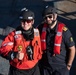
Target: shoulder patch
65	28
71	39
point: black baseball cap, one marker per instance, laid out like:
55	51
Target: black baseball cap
27	15
48	10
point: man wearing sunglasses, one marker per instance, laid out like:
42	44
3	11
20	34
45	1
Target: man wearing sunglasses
22	47
57	44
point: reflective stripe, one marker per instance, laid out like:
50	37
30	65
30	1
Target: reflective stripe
59	34
9	43
57	44
36	30
18	32
43	40
12	56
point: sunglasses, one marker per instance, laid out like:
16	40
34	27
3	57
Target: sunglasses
50	16
28	21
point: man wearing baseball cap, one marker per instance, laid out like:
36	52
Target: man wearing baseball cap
22	47
57	44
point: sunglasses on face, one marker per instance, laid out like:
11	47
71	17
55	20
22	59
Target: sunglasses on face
28	21
50	16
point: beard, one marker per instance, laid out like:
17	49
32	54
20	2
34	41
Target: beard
50	24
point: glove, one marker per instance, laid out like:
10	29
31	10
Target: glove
11	55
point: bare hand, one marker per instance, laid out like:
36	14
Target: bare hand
20	55
68	67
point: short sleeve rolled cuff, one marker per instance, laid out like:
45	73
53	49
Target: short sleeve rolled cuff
68	38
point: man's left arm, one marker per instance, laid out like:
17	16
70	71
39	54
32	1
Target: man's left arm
71	57
70	45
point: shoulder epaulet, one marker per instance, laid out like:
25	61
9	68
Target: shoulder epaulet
65	28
